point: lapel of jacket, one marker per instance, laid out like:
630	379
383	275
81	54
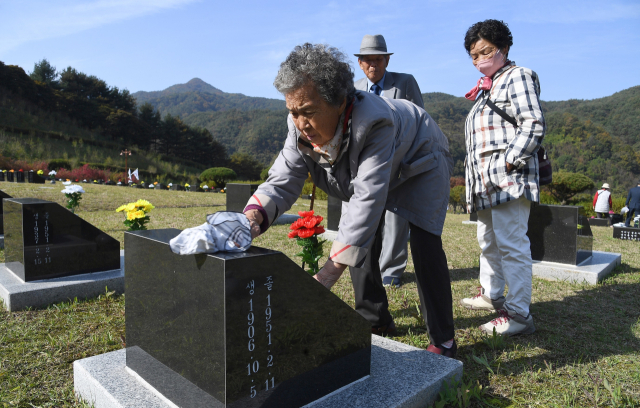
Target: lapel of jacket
390	91
361	84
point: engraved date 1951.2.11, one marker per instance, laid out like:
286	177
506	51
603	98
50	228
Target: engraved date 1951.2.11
254	319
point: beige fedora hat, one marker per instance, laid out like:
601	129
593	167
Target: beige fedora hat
605	185
373	45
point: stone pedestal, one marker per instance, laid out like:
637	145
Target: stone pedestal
559	234
33	177
238	195
401	376
599	222
631	234
248	329
3	195
43	240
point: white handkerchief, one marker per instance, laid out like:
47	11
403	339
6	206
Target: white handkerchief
223	231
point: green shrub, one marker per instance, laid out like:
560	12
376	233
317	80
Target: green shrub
457	197
308	188
264	174
56	164
566	185
548	199
219	175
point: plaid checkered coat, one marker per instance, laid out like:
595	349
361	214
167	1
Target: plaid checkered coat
492	141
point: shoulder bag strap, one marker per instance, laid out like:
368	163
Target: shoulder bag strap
502	113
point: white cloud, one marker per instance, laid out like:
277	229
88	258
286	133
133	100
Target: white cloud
21	23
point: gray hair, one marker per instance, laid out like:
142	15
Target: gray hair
324	66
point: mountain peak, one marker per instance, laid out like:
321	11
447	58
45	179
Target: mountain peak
194	85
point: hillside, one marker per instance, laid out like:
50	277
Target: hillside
198	96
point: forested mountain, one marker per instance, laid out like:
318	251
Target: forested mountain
198	96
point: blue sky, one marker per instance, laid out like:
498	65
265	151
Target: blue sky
580	49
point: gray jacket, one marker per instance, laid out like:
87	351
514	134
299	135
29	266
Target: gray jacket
397	159
397	86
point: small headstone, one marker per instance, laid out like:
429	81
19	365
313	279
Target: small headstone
197	188
248	329
33	177
44	240
631	234
101	181
238	195
177	187
473	217
599	222
558	233
19	177
334	212
109	183
2	196
2	178
160	186
9	176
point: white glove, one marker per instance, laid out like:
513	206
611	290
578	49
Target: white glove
223	231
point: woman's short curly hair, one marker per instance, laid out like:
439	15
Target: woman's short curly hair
324	66
495	31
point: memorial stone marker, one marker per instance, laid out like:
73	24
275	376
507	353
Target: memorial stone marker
248	329
33	177
44	240
334	212
18	177
2	178
631	234
2	196
160	186
238	195
9	176
599	222
473	217
558	233
177	187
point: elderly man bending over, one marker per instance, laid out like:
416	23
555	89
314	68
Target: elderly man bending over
375	154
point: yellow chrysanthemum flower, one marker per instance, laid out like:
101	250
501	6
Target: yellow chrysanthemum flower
121	208
144	205
132	215
130	207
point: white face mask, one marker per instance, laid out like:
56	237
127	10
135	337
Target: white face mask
491	65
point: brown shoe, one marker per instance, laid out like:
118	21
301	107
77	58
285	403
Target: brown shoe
388	330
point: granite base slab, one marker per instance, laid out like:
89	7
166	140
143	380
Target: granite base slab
592	270
402	376
470	222
329	235
18	295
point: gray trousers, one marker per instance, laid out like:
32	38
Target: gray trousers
394	254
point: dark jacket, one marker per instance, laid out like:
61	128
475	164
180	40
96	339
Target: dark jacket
633	199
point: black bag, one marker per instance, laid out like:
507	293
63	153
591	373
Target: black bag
545	170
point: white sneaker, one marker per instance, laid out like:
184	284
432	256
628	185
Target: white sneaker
482	302
509	324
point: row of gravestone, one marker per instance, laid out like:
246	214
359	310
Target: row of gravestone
19	177
243	329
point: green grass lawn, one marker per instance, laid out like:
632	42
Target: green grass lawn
585	352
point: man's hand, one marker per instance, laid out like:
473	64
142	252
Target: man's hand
255	220
330	273
510	167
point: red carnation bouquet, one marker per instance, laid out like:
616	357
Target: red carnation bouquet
306	230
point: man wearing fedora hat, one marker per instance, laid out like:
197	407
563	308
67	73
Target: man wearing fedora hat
373	60
602	201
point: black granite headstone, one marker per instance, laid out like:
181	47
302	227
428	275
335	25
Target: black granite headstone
109	183
101	181
2	175
334	212
558	233
2	195
473	217
160	186
177	187
599	222
238	195
44	240
631	234
9	176
617	218
196	188
18	177
248	329
33	177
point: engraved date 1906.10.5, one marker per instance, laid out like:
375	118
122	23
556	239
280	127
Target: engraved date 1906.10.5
254	320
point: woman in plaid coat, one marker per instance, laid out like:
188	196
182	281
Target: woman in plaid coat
502	175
